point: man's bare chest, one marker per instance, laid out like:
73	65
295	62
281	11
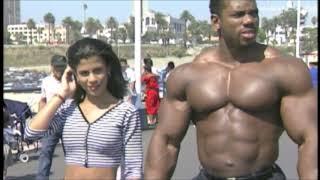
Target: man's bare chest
242	87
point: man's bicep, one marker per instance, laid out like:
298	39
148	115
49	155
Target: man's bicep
299	114
175	111
174	118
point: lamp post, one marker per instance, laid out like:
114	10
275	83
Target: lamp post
298	31
84	7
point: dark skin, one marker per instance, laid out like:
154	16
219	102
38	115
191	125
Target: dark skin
242	96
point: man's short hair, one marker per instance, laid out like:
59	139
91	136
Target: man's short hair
148	61
58	61
216	6
123	60
171	65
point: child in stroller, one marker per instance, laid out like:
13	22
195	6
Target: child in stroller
13	132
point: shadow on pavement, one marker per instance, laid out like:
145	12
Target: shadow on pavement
26	177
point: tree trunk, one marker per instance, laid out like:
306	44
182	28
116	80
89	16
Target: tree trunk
49	33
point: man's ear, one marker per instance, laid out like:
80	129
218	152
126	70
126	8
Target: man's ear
215	22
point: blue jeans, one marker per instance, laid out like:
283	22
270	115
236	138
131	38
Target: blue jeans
48	145
133	99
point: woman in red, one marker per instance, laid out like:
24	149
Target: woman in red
152	99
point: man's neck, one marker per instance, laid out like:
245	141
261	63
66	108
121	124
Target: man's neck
239	54
55	77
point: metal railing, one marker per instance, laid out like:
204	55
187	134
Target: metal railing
22	90
142	112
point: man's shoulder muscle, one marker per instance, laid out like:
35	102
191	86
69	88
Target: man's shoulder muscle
179	79
292	73
207	54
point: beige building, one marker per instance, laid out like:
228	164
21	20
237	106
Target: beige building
19	33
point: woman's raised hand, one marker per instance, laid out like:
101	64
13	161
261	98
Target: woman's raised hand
68	83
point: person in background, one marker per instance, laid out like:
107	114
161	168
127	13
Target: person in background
129	76
241	95
50	85
7	139
168	70
100	131
148	62
151	94
313	68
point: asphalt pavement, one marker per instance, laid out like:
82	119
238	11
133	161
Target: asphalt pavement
187	166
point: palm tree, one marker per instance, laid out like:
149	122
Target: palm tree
76	31
130	29
112	23
195	30
314	20
309	41
49	18
266	26
92	26
123	34
274	22
186	16
162	25
31	25
287	19
67	23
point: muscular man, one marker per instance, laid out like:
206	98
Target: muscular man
241	96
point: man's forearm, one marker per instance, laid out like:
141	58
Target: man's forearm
161	161
307	161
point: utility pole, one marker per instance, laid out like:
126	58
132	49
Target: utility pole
137	50
84	8
298	31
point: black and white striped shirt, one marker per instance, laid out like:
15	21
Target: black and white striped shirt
113	138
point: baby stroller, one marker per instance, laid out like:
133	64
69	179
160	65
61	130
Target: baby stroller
19	112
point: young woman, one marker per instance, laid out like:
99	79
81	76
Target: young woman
152	99
100	131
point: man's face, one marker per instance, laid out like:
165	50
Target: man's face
58	72
123	66
239	22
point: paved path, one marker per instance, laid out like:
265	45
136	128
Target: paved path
187	166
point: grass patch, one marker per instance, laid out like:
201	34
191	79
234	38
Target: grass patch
30	56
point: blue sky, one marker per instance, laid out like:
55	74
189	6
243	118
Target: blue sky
122	9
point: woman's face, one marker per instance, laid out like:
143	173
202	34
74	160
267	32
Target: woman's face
92	75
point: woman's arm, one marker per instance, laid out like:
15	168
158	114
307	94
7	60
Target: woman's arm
132	147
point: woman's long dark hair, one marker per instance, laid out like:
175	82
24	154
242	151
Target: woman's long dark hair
88	47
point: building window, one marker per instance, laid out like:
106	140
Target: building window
147	21
153	21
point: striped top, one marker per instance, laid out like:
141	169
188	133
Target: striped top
113	139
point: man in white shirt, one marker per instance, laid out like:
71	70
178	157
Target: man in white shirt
50	85
129	76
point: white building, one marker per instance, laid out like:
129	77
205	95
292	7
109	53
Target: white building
39	35
176	26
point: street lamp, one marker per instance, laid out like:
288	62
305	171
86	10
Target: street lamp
298	31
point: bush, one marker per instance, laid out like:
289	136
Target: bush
289	50
181	52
